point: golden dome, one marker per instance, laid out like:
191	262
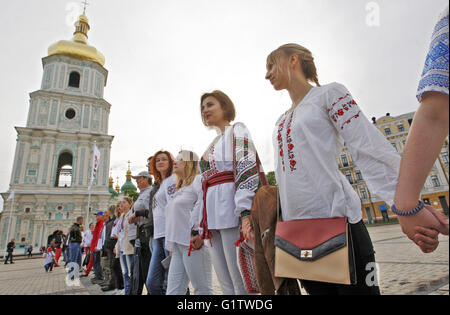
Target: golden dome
78	47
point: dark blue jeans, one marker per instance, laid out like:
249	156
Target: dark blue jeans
75	253
156	273
10	256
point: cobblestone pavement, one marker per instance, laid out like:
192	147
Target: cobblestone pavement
403	269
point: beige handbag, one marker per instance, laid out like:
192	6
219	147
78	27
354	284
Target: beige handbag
315	249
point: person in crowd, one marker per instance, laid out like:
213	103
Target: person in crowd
140	216
161	167
10	249
104	262
95	253
66	246
30	251
182	215
116	267
230	180
49	261
127	234
422	223
108	248
307	139
87	239
58	246
75	239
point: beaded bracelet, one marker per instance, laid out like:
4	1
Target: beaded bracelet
409	212
245	213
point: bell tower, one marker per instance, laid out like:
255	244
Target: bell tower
53	156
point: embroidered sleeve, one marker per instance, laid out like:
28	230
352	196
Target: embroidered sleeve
378	161
435	72
246	172
343	109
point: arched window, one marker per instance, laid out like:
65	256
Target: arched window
74	79
64	170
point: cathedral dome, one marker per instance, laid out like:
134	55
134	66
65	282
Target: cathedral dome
78	47
111	190
128	184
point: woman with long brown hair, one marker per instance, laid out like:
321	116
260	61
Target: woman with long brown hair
161	166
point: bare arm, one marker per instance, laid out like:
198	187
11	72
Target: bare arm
423	147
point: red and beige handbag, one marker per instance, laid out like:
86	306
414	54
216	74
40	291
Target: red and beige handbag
315	249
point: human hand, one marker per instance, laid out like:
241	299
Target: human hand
419	228
132	219
247	229
197	242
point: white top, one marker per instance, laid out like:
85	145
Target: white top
307	144
225	202
164	194
182	214
48	257
101	239
125	245
87	238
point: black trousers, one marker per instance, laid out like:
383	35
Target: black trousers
10	257
142	256
366	273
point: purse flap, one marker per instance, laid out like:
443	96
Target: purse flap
311	239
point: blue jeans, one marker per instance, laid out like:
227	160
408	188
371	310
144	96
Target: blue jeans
75	253
156	273
126	265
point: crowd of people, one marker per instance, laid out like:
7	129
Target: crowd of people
192	210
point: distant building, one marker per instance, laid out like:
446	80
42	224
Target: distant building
396	129
53	157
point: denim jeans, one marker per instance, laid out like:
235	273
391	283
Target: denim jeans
75	253
125	264
156	273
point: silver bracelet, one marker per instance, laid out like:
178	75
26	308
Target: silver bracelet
409	212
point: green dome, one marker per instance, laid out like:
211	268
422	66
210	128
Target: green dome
128	184
112	191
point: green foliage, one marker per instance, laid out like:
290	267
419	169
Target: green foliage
271	179
132	194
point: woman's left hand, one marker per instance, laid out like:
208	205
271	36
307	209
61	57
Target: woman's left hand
247	229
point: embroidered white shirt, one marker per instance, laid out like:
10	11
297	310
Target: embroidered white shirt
182	214
164	194
307	143
225	202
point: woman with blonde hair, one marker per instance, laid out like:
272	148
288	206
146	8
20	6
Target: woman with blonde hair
307	140
126	248
182	214
230	178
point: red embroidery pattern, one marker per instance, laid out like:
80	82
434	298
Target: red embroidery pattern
280	142
339	99
350	119
291	154
347	106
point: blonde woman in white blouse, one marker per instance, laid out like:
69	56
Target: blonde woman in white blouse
182	214
307	140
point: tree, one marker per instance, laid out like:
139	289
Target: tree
132	194
271	179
